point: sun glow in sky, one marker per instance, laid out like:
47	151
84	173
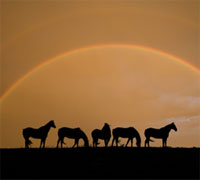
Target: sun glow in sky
120	83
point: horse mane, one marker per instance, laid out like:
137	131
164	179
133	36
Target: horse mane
168	125
106	127
48	123
137	135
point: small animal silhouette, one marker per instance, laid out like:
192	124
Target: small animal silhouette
129	133
71	133
40	133
161	133
104	134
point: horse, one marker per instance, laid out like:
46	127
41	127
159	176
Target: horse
129	133
72	133
161	133
40	133
104	134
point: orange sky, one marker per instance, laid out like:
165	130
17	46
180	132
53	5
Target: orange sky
119	85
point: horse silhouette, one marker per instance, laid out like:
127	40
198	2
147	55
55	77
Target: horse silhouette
72	133
40	133
129	133
161	133
104	134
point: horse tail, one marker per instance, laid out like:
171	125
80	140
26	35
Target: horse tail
114	133
60	137
24	133
94	134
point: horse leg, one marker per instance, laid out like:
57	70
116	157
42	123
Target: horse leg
113	141
58	142
164	142
117	141
131	142
127	142
93	142
96	142
41	143
106	142
26	143
44	141
75	143
147	141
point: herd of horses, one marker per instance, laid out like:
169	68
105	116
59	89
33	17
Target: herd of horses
104	134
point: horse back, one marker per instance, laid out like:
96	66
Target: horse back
156	133
69	132
31	132
101	134
95	132
124	132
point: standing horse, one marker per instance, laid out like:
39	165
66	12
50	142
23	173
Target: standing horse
161	133
75	133
104	133
40	133
129	133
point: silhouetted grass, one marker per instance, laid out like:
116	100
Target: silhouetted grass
140	163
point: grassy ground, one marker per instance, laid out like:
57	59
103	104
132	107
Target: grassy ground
140	163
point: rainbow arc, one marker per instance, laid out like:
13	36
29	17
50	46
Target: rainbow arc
71	52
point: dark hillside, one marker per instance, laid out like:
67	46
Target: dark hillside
182	163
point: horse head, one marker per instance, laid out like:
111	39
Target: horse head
106	125
83	135
86	144
138	143
173	126
52	124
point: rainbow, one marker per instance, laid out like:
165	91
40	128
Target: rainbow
71	52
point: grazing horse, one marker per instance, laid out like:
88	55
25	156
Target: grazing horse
104	133
40	133
75	133
161	133
129	133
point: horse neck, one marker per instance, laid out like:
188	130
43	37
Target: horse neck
138	138
46	127
106	129
167	128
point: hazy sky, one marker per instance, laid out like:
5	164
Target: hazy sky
117	84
